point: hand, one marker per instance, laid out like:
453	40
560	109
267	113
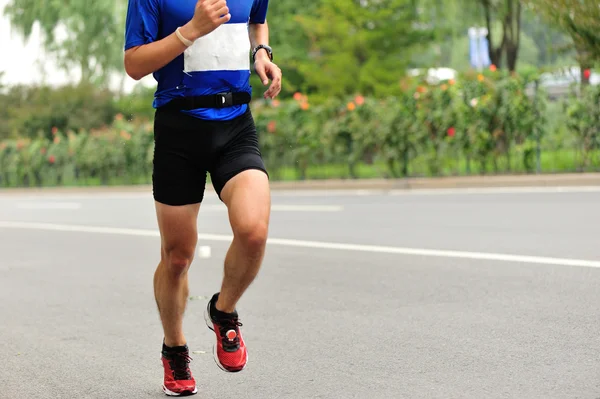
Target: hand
266	70
208	16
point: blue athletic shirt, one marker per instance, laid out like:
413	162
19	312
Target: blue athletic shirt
215	63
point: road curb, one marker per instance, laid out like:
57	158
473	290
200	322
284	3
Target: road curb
572	180
558	180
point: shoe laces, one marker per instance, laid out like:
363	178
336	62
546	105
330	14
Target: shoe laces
179	365
230	341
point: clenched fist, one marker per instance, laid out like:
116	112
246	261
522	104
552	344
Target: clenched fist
208	16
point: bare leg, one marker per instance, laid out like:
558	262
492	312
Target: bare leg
248	201
178	243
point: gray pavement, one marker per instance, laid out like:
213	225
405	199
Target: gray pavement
79	319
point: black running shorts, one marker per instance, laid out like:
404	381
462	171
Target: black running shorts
187	148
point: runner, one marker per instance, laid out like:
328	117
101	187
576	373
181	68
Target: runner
200	53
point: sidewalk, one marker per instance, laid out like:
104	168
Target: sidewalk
557	180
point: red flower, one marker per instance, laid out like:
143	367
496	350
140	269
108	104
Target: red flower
359	100
54	131
298	96
451	131
272	127
587	74
52	159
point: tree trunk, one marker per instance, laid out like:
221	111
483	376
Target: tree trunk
513	24
495	53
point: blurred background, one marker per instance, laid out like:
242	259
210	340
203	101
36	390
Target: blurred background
372	89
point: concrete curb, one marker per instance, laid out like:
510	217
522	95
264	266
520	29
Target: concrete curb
557	180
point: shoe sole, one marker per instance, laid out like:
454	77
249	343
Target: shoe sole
210	326
184	393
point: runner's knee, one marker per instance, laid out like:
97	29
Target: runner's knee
252	234
178	259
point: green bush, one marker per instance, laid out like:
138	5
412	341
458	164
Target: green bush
33	111
484	123
583	121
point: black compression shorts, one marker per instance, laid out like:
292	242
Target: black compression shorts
187	148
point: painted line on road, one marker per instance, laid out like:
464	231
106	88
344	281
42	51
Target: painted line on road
317	245
437	191
282	208
497	190
334	192
49	205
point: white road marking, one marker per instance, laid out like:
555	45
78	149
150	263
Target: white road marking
281	208
48	205
318	192
497	190
307	208
318	245
436	191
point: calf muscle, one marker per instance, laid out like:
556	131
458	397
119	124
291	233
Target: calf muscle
179	237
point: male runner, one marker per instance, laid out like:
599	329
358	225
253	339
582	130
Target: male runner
200	51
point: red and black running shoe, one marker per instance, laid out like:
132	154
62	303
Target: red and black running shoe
178	380
230	351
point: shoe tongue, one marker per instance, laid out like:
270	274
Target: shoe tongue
217	314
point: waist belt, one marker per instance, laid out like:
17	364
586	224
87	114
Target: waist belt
220	100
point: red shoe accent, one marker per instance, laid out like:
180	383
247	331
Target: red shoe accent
178	380
230	351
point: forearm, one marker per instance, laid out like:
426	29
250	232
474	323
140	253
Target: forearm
259	34
146	59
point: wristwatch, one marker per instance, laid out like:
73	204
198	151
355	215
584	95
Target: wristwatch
262	46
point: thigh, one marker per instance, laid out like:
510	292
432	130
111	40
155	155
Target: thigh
178	177
237	152
248	200
178	229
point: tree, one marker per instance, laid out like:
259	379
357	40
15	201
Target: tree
579	18
361	45
289	40
449	21
502	18
94	32
508	12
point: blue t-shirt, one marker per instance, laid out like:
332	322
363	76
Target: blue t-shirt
218	62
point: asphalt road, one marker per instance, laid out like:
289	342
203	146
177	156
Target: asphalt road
79	320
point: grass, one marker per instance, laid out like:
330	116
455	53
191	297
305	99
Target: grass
560	161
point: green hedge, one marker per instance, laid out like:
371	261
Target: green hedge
488	123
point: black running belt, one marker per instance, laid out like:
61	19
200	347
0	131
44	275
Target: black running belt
221	100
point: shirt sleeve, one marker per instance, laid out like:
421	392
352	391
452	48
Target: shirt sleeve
258	14
142	22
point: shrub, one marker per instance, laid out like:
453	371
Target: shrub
483	123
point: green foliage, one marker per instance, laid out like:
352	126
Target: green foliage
122	152
482	123
579	18
94	32
360	46
31	111
584	121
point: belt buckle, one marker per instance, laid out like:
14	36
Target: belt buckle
224	100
